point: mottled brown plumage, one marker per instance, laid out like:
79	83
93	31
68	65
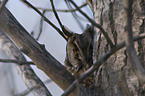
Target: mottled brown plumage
79	52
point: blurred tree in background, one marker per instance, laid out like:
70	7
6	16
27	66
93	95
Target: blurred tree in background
118	51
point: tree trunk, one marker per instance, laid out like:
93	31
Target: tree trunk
116	76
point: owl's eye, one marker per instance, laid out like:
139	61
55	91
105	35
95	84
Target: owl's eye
75	50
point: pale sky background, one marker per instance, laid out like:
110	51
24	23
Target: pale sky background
54	43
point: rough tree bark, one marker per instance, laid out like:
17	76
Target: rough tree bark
117	75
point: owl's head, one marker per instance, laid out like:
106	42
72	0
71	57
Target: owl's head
79	49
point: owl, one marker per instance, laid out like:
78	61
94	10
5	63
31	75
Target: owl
79	51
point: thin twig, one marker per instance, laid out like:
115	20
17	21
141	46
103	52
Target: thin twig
41	25
76	17
69	5
45	19
98	63
56	15
2	4
95	24
27	91
133	58
16	61
63	10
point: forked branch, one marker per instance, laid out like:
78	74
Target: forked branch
45	19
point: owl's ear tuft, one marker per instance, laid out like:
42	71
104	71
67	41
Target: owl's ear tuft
67	33
89	32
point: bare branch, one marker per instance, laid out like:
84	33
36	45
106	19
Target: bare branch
74	14
99	63
41	25
16	61
25	71
38	54
133	58
56	15
95	24
26	92
63	10
2	4
45	19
